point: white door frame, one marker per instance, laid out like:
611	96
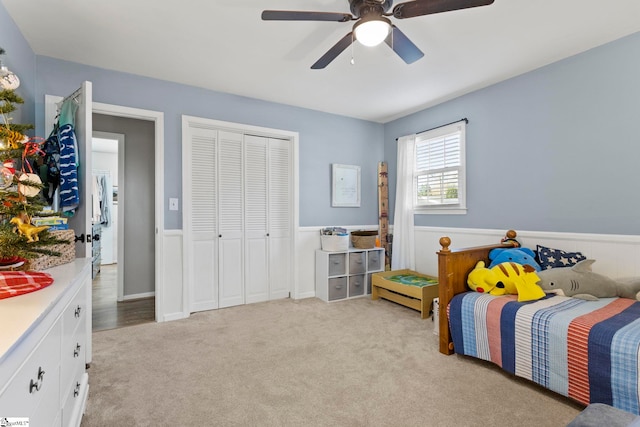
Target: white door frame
158	118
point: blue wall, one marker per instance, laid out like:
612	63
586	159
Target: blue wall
556	149
324	138
20	59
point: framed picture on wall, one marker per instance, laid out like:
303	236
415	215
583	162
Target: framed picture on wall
345	189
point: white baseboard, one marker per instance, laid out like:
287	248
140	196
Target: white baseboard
307	295
138	296
174	316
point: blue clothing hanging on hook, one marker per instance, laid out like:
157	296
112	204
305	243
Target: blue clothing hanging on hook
69	190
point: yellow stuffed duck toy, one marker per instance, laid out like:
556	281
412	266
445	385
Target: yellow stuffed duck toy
506	278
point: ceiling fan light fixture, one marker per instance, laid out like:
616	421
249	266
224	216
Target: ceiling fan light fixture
372	32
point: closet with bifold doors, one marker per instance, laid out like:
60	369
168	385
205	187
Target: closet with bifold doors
238	214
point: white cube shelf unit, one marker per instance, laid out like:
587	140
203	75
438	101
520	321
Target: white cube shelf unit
346	274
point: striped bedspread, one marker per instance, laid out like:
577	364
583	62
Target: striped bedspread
586	350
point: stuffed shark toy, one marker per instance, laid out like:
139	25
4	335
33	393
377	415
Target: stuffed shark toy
580	282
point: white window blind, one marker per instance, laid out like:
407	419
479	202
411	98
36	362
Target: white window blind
439	168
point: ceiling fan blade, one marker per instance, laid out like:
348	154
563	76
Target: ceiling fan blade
415	8
404	47
333	53
293	15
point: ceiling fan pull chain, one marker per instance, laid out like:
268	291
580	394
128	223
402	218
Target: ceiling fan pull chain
353	61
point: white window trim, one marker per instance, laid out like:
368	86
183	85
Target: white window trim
461	208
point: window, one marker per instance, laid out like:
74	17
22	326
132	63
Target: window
439	170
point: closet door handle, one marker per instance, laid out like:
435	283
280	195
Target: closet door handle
79	238
96	237
219	235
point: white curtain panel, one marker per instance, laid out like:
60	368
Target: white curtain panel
403	251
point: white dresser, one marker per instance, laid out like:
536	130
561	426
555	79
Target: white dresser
45	346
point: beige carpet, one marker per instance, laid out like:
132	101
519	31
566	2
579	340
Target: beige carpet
303	363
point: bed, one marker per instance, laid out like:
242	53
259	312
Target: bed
406	287
585	350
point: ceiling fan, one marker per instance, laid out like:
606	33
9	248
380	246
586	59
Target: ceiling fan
372	26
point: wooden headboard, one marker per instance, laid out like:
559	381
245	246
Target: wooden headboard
454	266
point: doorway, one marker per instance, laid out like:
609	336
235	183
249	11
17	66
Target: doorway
83	96
123	159
110	307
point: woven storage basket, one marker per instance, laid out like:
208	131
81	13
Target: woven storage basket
67	252
364	239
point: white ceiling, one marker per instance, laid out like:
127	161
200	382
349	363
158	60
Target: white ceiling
223	45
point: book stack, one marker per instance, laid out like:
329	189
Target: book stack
53	222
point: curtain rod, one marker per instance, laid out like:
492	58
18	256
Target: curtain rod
441	126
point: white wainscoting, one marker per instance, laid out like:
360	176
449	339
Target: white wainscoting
615	255
173	276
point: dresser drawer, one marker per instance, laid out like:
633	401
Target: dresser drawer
75	313
73	358
37	381
49	408
71	414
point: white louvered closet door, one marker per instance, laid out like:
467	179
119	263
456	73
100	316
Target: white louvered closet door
230	219
280	218
202	220
256	220
238	217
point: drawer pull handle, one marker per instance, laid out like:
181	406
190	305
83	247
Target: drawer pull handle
76	392
77	312
76	351
35	385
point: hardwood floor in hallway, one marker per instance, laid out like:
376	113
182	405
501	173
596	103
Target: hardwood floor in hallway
108	313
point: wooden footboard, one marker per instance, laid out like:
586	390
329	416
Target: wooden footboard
454	266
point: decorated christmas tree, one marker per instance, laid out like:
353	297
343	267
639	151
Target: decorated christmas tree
19	184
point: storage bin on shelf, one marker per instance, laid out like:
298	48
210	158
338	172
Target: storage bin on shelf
334	242
364	239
